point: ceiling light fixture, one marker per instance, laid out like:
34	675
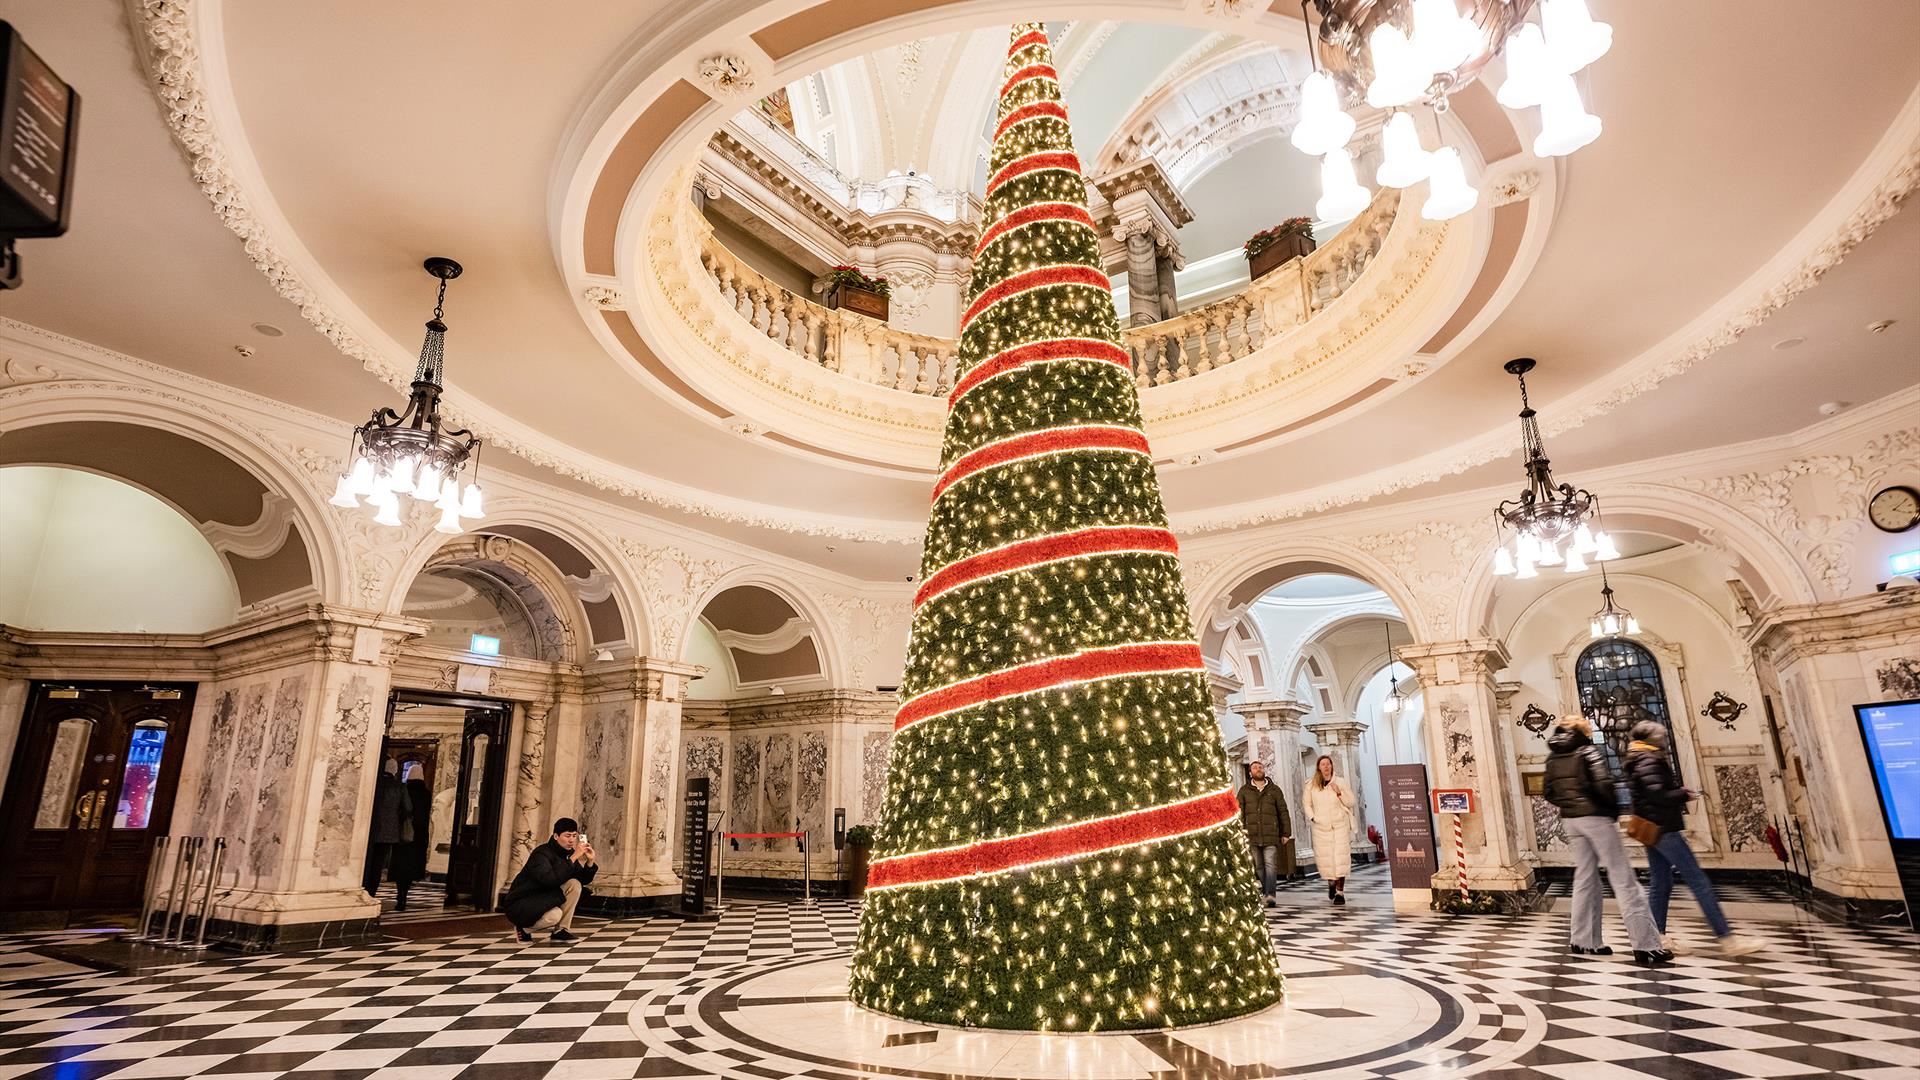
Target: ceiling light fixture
1545	515
396	454
1611	620
1392	703
1394	53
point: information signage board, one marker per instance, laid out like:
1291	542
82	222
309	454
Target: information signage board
1891	732
1410	859
38	118
693	877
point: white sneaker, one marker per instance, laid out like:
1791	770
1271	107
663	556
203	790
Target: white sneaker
1673	945
1737	945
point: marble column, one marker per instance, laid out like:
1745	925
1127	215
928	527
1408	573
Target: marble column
1817	661
628	788
1222	687
1166	293
1469	747
1143	277
1339	739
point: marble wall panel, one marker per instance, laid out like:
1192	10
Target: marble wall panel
1743	805
282	741
1549	834
660	792
604	754
873	775
744	793
810	788
346	766
210	798
776	803
243	782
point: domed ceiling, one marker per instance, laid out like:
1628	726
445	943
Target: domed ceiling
1742	159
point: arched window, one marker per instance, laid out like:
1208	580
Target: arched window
1620	686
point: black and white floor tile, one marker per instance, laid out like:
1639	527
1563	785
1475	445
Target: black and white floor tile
1371	994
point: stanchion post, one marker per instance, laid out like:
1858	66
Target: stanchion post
156	866
1460	855
181	869
806	867
720	876
177	923
206	896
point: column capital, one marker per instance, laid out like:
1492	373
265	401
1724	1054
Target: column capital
645	677
1442	662
1852	625
1281	714
1221	686
1337	732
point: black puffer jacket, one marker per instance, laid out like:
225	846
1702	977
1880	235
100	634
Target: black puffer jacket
1578	780
1657	794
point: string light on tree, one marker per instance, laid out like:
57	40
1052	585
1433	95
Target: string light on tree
1060	848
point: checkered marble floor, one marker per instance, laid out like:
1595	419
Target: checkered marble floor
1822	1000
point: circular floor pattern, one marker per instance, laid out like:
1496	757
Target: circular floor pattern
791	1017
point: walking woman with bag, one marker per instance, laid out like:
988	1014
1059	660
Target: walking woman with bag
1581	783
1659	809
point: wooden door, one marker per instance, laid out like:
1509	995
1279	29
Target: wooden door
90	790
476	808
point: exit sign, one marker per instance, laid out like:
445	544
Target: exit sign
1907	562
485	645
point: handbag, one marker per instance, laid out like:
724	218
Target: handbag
1644	832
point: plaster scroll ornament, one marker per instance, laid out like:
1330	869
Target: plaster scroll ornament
605	297
911	290
726	76
18	372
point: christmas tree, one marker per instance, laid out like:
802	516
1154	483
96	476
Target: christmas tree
1060	847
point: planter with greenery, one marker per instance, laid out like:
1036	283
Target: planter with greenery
859	851
850	290
1268	249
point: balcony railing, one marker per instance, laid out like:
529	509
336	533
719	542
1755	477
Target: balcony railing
1183	347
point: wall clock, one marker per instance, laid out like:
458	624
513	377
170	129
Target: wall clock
1894	509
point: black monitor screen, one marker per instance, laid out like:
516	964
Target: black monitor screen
1892	733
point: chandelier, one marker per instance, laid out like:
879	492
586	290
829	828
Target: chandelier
1392	704
1393	54
407	453
1545	515
1611	620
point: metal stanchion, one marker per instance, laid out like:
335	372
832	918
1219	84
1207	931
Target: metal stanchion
156	865
719	874
806	867
206	896
180	846
177	930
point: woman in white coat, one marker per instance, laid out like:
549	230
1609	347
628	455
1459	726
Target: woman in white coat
1329	805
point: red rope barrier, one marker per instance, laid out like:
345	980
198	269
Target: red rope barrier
761	835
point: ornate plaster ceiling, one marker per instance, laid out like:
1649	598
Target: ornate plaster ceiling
534	149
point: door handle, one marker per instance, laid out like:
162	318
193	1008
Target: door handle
90	811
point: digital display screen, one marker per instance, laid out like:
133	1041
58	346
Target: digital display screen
1892	733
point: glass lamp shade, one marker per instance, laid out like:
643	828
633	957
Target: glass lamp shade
470	502
1502	562
449	522
360	479
1405	163
1583	541
1548	554
1527	69
402	477
1448	193
1575	564
1398	73
1565	123
1443	39
1573	39
426	486
388	505
1603	549
1323	126
1341	196
1525	570
449	495
343	496
1392	703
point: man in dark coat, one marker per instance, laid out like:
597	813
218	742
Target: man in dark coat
1269	829
548	888
392	818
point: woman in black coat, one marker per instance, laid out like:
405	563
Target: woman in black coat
1659	798
410	856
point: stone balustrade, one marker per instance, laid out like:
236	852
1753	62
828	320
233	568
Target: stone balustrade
1187	345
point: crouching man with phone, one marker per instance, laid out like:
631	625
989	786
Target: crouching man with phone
548	888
